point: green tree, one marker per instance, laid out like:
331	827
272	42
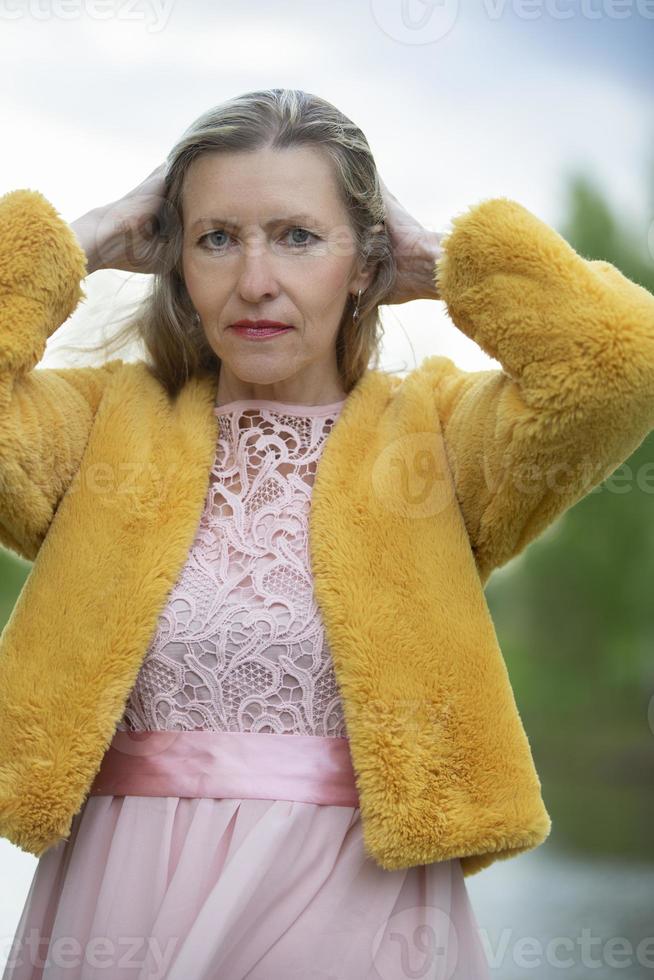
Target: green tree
13	573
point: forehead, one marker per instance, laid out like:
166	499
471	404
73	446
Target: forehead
262	184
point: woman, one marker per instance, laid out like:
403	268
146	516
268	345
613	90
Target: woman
224	848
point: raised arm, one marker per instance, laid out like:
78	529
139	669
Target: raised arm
575	396
45	414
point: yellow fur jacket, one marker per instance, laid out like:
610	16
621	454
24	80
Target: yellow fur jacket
426	484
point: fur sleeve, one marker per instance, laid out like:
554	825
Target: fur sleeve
575	396
46	414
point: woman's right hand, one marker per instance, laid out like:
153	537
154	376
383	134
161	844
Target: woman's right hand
126	234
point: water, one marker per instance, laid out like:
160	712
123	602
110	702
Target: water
548	915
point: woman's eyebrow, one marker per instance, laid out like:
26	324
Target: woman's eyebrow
300	217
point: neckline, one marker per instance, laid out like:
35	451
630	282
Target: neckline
286	407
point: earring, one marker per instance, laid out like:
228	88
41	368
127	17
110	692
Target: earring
196	319
355	312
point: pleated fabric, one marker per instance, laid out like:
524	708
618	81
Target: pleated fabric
197	888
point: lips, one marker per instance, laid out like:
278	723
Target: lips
262	324
260	332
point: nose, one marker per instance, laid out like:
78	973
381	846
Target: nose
257	280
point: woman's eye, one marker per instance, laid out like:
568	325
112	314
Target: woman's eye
302	231
210	234
295	242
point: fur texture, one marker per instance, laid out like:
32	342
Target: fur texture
425	486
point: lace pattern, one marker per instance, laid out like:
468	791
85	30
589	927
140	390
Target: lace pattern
240	645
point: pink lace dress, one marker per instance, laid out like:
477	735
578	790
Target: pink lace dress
198	884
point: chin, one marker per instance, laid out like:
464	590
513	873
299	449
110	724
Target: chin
249	371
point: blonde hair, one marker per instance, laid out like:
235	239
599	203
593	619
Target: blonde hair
164	322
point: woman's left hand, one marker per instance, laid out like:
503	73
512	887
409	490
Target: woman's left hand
416	250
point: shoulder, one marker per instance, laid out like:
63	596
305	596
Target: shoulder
433	374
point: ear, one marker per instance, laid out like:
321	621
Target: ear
365	274
362	281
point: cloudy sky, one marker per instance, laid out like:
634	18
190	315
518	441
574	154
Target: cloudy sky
460	101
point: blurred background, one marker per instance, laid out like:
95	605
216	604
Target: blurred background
548	102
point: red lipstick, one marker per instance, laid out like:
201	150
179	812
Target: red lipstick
260	329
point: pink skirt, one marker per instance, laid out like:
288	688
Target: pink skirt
206	855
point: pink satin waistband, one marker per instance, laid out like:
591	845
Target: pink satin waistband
252	765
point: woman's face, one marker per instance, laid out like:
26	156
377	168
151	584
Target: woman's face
266	237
